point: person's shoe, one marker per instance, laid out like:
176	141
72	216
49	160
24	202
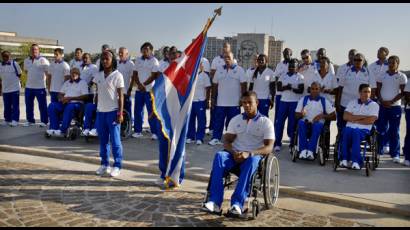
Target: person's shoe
154	137
210	206
50	132
27	124
115	172
42	124
236	210
137	135
355	166
57	133
302	154
93	132
4	123
160	182
14	123
277	149
310	155
214	142
386	149
85	132
396	159
198	142
343	164
406	163
103	170
188	141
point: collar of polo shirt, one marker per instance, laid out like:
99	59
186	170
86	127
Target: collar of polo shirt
257	116
314	99
35	58
148	58
378	62
232	66
361	70
123	62
290	74
76	81
58	62
6	63
366	103
392	73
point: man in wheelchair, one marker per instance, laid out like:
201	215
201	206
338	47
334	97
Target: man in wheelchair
312	112
249	138
71	97
360	115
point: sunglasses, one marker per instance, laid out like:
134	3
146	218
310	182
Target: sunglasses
357	59
306	57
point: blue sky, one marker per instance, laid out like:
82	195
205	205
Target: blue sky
337	27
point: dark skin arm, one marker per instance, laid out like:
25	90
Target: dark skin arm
208	96
136	80
151	78
120	117
299	90
241	156
338	98
388	104
214	93
283	88
65	99
407	98
360	119
272	90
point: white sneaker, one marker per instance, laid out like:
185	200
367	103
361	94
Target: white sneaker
57	133
27	124
302	154
103	170
343	163
137	135
277	149
355	166
4	123
406	163
50	132
93	133
235	209
154	137
42	124
386	149
115	172
212	207
214	142
14	123
198	142
396	159
188	141
85	132
310	155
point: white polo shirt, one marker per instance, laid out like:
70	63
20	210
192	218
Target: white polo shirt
145	67
163	65
127	70
377	68
331	67
261	83
294	79
58	70
229	84
328	82
351	83
88	72
202	82
342	71
370	108
206	64
74	89
107	90
219	61
310	74
281	69
407	88
36	72
391	85
76	64
10	81
314	108
250	134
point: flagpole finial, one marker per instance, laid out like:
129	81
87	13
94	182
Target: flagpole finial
217	12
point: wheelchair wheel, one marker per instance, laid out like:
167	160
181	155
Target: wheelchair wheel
255	208
321	154
126	125
271	181
375	154
367	168
336	154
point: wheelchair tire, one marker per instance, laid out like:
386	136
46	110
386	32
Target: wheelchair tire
321	154
367	168
126	126
271	181
375	154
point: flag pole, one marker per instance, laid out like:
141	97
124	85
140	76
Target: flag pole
217	12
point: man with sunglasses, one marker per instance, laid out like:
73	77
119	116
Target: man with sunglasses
349	85
308	70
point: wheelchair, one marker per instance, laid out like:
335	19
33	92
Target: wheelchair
322	148
369	149
75	128
265	181
125	130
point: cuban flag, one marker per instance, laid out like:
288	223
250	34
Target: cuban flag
172	96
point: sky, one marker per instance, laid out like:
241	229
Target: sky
336	27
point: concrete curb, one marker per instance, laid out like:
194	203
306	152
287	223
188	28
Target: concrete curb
333	198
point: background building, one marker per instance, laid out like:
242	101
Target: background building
20	46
